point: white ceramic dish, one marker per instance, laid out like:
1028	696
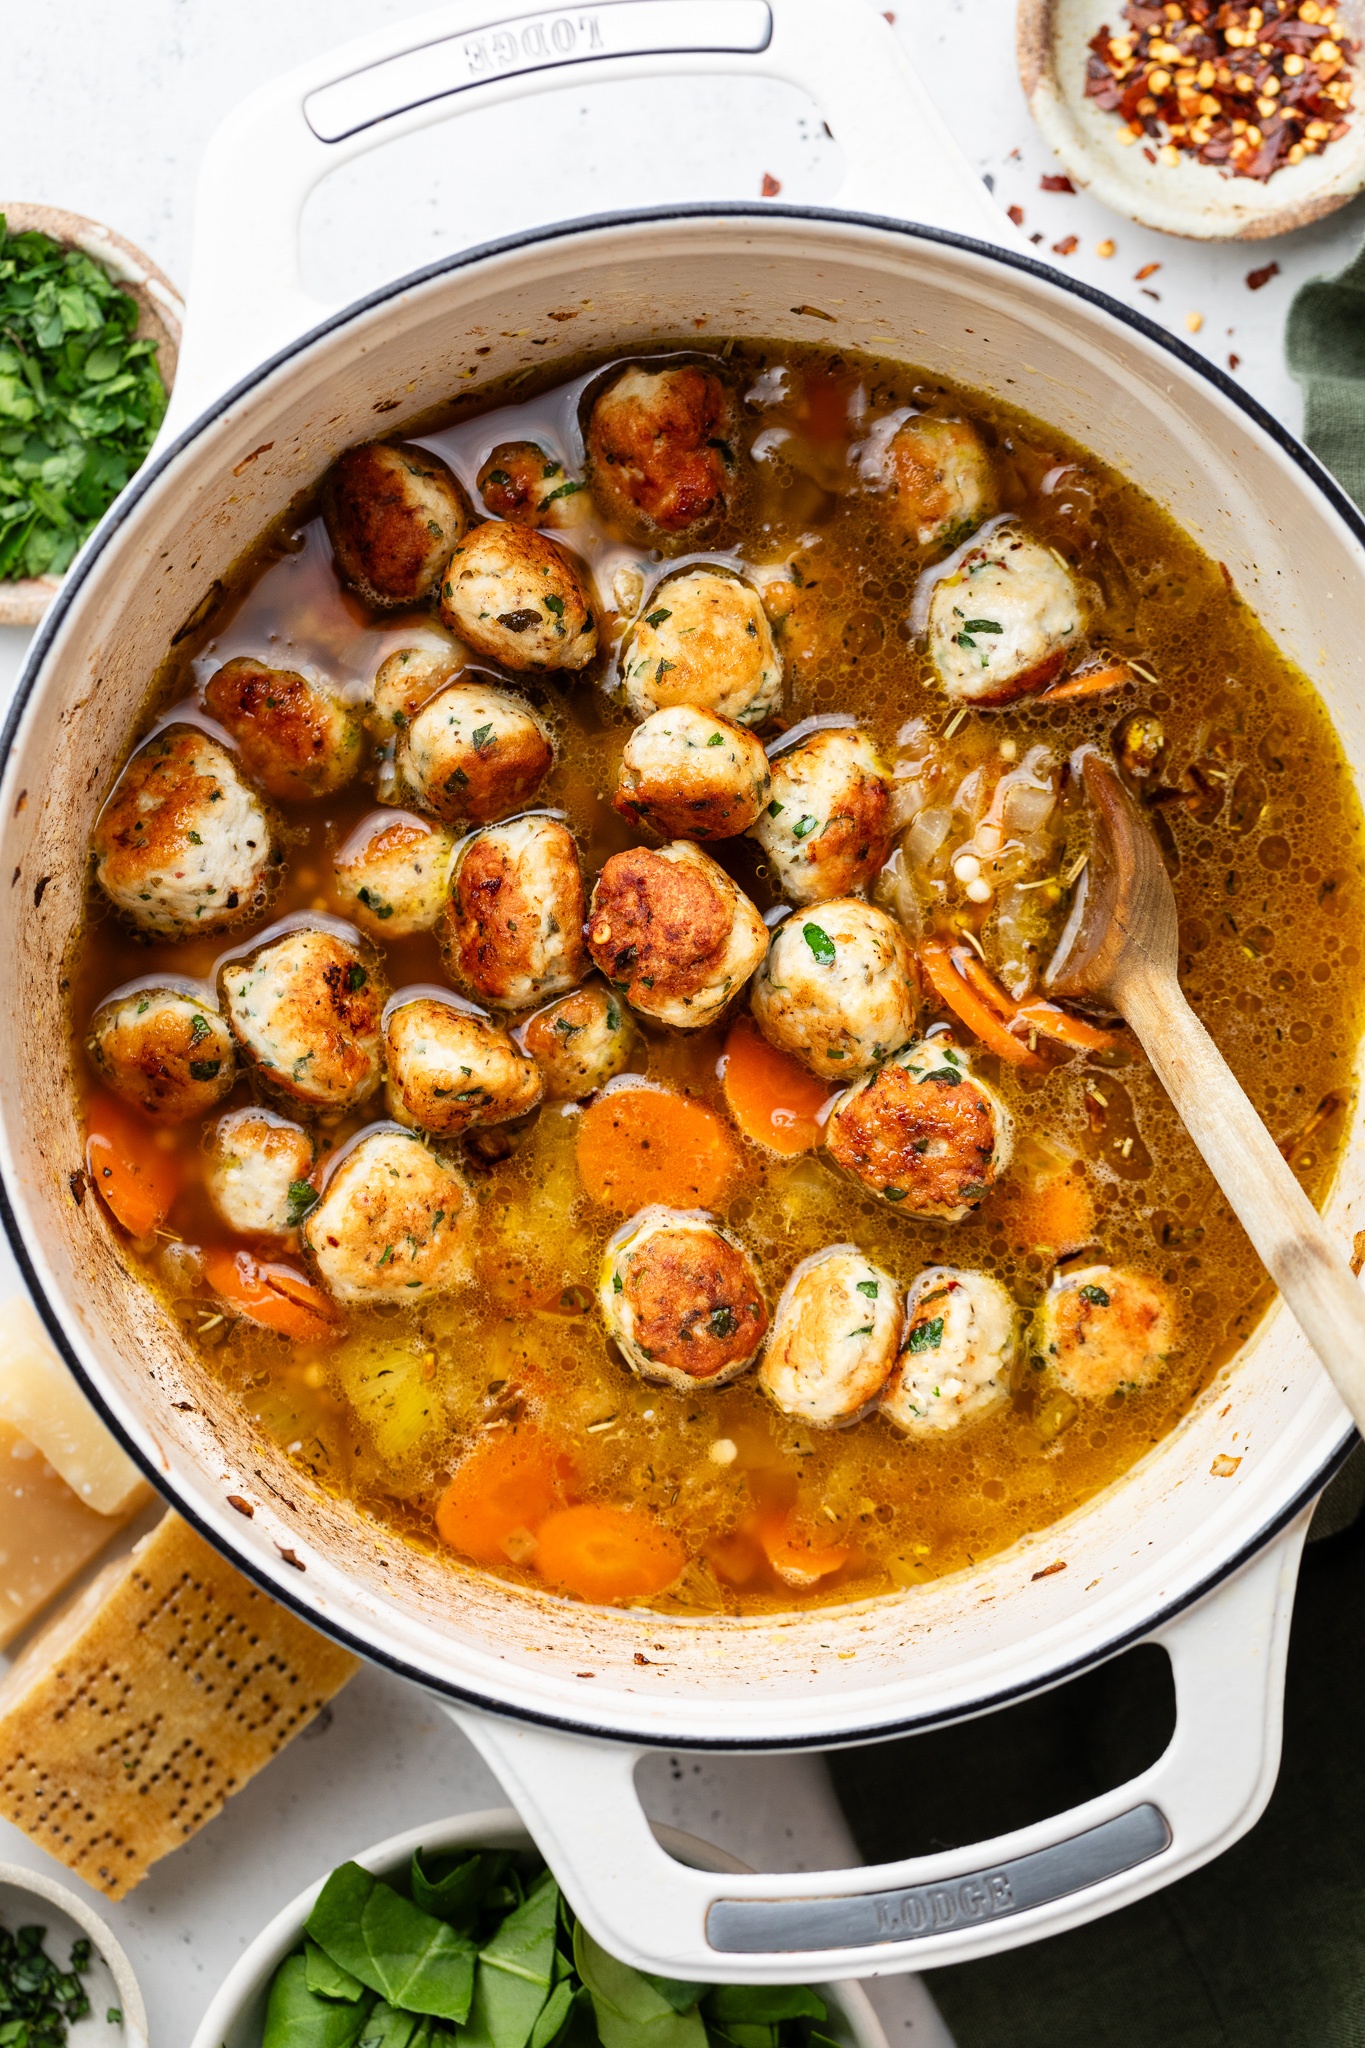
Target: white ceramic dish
561	1698
1187	198
237	2013
28	1899
161	315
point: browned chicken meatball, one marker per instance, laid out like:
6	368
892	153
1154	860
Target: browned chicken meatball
517	597
393	1223
184	844
923	1132
305	1009
512	931
391	873
404	682
450	1067
296	739
679	1294
474	753
580	1041
659	449
522	483
692	775
826	825
393	513
672	932
165	1049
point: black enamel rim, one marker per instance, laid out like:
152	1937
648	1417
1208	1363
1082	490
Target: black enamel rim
908	231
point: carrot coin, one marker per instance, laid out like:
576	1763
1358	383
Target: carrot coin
771	1096
607	1554
269	1292
643	1145
796	1560
136	1178
498	1496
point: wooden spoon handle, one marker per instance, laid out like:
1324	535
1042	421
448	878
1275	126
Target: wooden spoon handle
1289	1236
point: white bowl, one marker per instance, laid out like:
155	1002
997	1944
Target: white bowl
237	2014
26	1900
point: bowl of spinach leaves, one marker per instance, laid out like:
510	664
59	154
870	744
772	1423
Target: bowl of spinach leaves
89	330
457	1933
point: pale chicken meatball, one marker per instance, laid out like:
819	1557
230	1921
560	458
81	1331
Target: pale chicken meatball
659	449
923	1132
673	934
1103	1330
941	480
518	598
393	1223
1005	622
690	775
834	1337
393	514
258	1175
523	483
391	873
837	989
450	1067
680	1296
297	740
703	640
580	1042
957	1354
305	1010
403	684
474	753
512	930
826	827
184	844
164	1049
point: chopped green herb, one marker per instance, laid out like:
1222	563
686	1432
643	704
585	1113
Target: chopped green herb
38	2001
564	491
926	1336
194	839
205	1070
775	809
803	827
302	1197
868	1287
820	943
981	626
717	739
478	739
199	1025
657	618
1096	1295
356	977
555	605
948	1075
723	1322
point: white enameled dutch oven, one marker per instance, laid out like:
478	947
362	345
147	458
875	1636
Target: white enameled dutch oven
1197	1548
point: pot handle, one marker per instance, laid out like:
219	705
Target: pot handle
246	297
578	1799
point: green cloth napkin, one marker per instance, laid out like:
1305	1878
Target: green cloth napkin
1263	1948
1325	346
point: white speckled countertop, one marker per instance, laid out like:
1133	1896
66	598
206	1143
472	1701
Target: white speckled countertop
106	112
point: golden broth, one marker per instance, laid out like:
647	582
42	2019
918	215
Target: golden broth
1261	825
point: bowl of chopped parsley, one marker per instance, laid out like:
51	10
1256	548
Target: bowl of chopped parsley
458	1932
64	1980
89	330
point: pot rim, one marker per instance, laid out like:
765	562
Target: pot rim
329	1624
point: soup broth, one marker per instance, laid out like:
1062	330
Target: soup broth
1259	821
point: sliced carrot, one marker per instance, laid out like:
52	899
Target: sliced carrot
500	1492
1098	682
1056	1214
796	1560
606	1554
1037	1015
770	1095
124	1161
963	1000
269	1292
642	1145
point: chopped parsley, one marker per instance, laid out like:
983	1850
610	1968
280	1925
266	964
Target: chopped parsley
867	1287
657	618
563	491
981	626
302	1197
820	943
199	1025
555	605
803	827
723	1322
356	977
717	739
1096	1295
205	1070
38	2000
948	1075
926	1336
479	738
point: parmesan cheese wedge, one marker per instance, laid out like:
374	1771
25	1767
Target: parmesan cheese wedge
40	1399
46	1534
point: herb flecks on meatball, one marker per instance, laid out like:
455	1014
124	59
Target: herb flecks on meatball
521	482
690	774
703	639
518	598
660	450
512	930
672	933
305	1010
393	1222
923	1132
941	482
837	989
393	514
258	1172
297	740
184	844
580	1042
164	1050
391	873
834	1337
1103	1330
1006	622
450	1068
473	753
680	1296
826	826
956	1355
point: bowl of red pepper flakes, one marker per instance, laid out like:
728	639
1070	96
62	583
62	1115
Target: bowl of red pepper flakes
1213	119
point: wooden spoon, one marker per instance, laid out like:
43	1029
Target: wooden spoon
1120	949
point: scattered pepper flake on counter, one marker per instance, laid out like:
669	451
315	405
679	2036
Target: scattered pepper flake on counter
1244	88
771	185
1056	181
1066	247
1016	214
1256	278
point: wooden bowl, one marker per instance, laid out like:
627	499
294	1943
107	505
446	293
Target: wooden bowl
1187	198
160	315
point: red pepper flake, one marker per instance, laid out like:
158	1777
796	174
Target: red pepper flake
1256	278
1056	182
1244	85
1016	214
1234	362
1049	1569
1147	270
1066	246
771	185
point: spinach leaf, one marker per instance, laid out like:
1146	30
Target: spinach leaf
296	2017
386	2027
630	2012
411	1958
516	1970
681	1995
458	1894
328	1978
553	2014
761	2003
748	2034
